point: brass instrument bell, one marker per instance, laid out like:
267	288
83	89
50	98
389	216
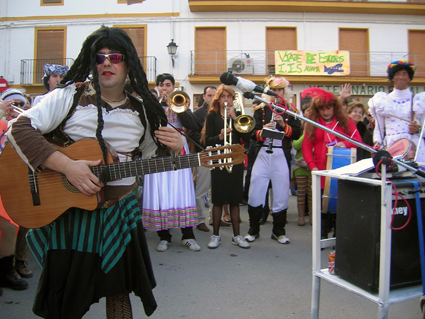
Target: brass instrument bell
178	101
243	123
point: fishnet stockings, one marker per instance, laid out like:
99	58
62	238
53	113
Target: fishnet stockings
118	307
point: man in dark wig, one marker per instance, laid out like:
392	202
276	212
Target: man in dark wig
399	114
87	255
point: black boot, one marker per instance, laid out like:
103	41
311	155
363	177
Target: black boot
278	231
8	275
254	222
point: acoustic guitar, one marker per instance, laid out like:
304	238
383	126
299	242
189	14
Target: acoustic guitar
35	199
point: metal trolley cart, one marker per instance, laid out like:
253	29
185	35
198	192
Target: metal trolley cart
384	297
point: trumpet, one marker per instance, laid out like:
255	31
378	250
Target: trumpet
178	101
243	123
229	168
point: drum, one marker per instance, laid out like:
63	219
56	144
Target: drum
402	149
336	158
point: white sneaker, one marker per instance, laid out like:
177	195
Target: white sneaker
163	245
214	242
251	238
281	239
240	241
191	244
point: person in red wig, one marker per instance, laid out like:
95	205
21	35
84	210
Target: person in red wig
326	110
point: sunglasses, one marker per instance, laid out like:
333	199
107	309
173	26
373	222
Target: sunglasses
112	57
21	104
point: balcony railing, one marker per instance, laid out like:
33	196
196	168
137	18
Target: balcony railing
262	62
149	64
32	69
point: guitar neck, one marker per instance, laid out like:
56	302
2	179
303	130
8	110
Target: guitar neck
147	166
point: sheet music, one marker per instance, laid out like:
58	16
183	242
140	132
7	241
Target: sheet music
356	169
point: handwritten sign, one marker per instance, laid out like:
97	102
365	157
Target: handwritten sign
312	62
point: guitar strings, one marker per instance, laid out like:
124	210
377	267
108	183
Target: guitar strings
130	169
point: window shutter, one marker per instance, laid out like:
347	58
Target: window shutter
357	42
50	49
137	35
416	51
210	51
279	39
51	1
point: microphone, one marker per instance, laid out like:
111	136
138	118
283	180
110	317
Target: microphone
242	84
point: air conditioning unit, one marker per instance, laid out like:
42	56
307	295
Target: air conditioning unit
242	65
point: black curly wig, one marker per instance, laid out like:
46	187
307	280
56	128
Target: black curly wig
399	65
115	39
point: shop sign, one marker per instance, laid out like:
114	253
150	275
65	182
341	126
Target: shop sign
294	62
366	89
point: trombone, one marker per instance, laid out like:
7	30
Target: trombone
243	123
178	101
229	168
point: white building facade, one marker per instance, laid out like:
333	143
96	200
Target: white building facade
212	35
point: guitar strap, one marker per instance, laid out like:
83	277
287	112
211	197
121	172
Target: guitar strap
137	153
58	136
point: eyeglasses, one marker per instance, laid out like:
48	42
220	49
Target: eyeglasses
370	115
112	57
21	104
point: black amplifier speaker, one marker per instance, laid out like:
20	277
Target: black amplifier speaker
358	236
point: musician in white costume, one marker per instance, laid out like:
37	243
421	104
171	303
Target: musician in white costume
271	164
389	110
169	197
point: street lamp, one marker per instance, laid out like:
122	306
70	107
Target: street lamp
172	49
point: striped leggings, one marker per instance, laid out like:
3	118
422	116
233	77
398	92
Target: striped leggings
303	188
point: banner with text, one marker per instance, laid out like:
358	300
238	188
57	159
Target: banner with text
312	62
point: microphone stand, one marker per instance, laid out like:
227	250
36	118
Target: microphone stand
379	155
419	143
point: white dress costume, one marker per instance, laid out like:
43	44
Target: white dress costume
169	197
389	129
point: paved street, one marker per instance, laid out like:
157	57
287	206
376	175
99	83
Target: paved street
267	281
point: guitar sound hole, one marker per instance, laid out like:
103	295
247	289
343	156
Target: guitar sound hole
68	186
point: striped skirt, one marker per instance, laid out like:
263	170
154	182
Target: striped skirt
169	200
87	255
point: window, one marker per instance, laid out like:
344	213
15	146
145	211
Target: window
210	50
357	42
278	38
51	2
416	51
49	48
137	34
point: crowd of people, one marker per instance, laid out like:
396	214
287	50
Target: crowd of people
105	96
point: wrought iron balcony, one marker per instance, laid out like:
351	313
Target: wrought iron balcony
362	64
32	69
